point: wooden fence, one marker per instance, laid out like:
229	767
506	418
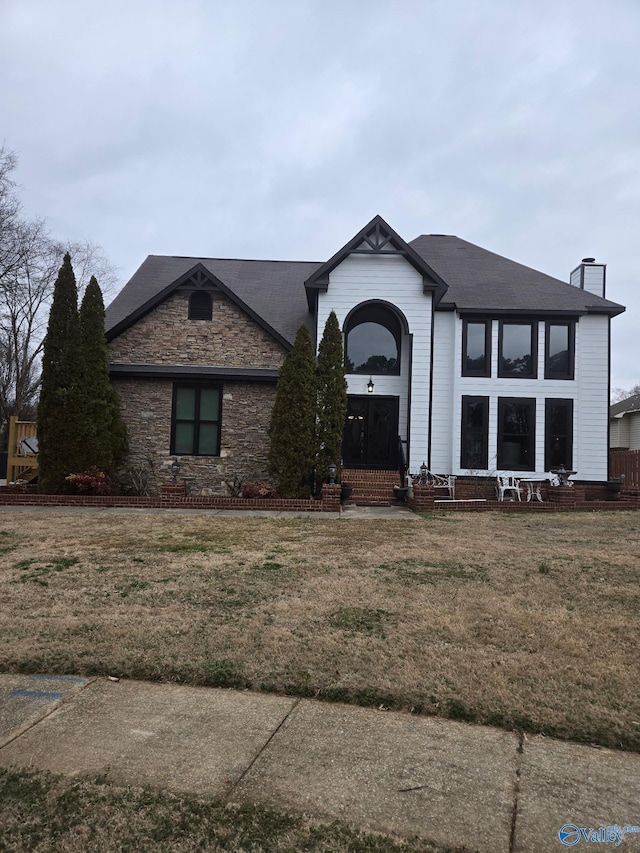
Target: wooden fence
626	462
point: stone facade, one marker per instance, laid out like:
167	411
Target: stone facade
245	417
167	336
231	338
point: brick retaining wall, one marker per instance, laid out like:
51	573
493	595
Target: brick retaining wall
424	500
173	497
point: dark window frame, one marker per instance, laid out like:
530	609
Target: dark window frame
548	372
466	371
500	439
202	311
467	432
373	312
507	374
197	421
549	403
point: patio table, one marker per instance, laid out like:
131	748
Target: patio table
533	487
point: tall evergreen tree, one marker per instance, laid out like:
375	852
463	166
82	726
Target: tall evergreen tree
292	429
106	441
332	397
62	425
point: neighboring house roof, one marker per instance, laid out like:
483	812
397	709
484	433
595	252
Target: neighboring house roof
625	407
273	292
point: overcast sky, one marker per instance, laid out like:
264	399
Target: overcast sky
279	128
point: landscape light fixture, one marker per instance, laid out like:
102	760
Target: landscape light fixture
370	386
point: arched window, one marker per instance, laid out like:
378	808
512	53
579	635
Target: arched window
373	341
200	307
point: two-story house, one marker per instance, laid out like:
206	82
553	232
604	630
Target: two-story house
475	362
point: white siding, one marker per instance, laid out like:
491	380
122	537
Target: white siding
589	391
576	276
594	278
391	279
591	409
446	366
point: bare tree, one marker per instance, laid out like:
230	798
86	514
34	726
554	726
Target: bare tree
29	262
619	394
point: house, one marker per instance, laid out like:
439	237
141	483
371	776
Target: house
474	362
624	424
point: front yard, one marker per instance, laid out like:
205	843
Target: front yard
522	621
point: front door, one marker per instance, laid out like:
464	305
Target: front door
371	433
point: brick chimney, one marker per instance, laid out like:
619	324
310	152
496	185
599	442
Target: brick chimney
590	276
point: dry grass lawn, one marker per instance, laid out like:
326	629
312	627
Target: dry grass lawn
526	621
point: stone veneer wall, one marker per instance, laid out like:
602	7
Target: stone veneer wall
246	413
231	338
166	336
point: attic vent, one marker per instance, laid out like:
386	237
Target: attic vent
200	306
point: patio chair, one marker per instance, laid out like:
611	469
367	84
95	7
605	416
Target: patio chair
507	484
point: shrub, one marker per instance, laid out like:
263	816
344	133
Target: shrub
261	489
292	430
91	482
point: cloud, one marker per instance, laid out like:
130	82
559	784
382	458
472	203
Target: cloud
278	129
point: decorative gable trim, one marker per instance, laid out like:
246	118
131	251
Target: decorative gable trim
198	277
376	238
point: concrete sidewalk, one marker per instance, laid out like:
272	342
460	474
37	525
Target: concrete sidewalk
457	785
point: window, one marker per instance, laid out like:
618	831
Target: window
195	422
476	348
200	306
516	433
373	337
475	433
518	350
558	434
559	350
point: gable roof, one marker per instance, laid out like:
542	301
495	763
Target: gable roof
376	238
462	275
481	281
272	292
625	407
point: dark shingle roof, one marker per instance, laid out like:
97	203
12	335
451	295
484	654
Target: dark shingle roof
625	407
274	291
481	280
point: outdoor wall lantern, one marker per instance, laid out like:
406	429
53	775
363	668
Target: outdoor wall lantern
333	470
370	386
423	475
175	469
